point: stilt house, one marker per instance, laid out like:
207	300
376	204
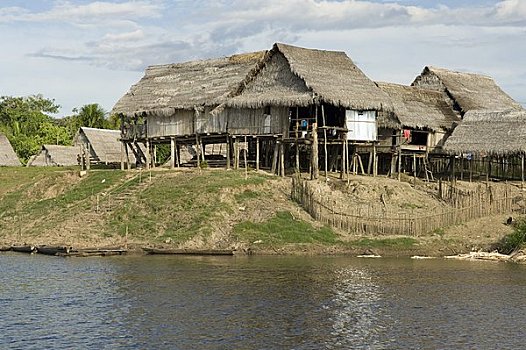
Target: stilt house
299	96
466	91
424	120
53	155
469	92
489	143
8	156
172	104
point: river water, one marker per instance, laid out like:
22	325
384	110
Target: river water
170	302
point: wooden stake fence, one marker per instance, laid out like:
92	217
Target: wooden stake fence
468	206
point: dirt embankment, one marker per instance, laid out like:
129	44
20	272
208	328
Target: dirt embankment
220	209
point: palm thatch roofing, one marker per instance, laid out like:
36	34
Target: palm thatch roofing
419	108
104	144
296	76
489	133
468	91
167	87
8	156
53	155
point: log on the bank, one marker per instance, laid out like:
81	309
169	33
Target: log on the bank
24	249
47	250
5	248
189	251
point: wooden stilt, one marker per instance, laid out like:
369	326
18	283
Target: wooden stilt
274	168
342	170
128	163
414	169
257	154
154	158
324	138
178	153
228	152
172	153
236	153
282	159
314	154
399	162
122	155
245	158
375	161
522	170
197	151
148	150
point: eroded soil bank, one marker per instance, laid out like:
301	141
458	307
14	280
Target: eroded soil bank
216	209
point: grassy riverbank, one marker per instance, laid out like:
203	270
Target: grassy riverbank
211	209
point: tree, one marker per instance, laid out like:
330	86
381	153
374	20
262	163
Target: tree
92	115
28	125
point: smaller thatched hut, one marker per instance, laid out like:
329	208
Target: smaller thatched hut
103	145
53	155
8	156
424	117
466	91
493	142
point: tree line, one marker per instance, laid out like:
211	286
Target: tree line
28	123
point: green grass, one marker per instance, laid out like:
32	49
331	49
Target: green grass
400	242
246	195
180	207
283	228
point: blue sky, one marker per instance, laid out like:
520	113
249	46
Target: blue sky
80	52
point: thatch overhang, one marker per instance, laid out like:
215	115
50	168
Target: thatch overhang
295	76
419	108
469	91
56	155
489	133
8	156
166	88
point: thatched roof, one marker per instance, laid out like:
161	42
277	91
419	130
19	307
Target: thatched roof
489	132
53	155
8	156
295	76
187	85
468	91
104	144
419	108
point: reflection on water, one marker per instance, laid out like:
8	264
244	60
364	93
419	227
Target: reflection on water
259	302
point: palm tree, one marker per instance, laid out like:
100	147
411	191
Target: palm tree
93	116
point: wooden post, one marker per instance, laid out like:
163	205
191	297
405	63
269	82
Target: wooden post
344	161
236	153
274	168
314	154
122	155
227	152
522	170
282	158
297	143
399	161
324	137
172	152
147	154
245	158
257	154
203	151
88	157
375	161
154	158
128	164
197	151
178	153
414	169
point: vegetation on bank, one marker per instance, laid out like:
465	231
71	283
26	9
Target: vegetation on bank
515	240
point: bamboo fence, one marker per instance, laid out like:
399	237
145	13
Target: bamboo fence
465	206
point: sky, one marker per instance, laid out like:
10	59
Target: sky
78	52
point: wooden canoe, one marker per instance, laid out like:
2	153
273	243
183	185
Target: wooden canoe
24	249
47	250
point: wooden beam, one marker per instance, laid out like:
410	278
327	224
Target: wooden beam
324	138
257	154
228	152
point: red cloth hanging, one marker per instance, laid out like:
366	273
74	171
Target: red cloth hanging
407	134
